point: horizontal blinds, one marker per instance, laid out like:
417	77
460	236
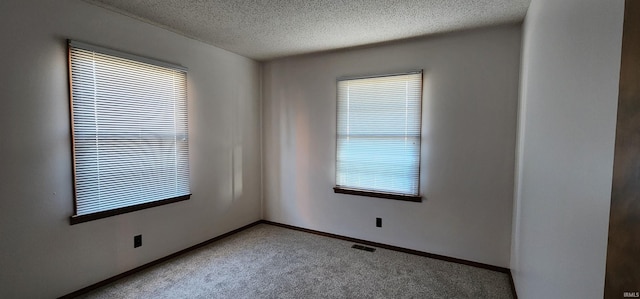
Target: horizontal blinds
378	133
130	131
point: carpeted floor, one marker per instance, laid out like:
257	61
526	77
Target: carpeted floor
267	261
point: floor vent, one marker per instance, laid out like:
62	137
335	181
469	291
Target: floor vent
365	248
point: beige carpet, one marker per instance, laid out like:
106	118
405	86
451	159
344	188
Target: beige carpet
267	261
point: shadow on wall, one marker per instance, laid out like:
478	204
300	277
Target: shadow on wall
294	153
426	133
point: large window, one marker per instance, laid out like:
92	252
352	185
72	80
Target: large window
130	137
378	136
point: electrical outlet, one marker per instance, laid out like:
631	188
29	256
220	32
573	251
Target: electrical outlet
137	241
378	222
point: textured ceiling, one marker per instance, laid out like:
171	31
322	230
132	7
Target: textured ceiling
263	29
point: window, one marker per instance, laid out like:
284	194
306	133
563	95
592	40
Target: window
378	136
130	138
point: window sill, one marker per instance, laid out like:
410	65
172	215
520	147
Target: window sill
104	214
394	196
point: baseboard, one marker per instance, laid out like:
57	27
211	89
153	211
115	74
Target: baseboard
365	242
513	285
395	248
156	262
406	250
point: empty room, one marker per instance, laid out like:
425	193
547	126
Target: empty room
319	149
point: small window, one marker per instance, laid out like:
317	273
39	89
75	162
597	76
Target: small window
130	137
378	136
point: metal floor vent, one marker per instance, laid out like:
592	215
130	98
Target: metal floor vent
365	248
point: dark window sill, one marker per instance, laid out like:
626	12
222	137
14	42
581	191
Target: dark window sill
378	194
104	214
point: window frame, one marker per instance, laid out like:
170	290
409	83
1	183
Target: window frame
375	193
75	218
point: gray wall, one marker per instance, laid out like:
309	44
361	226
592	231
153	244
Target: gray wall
41	255
469	131
567	119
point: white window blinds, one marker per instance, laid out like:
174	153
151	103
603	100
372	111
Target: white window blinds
130	136
378	138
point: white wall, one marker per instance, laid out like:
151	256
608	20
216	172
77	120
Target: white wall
41	255
569	94
469	131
